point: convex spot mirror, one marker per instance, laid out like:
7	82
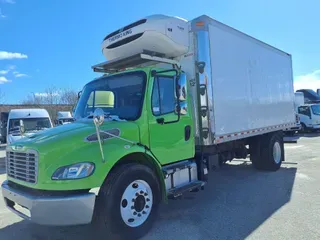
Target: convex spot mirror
22	129
183	108
98	117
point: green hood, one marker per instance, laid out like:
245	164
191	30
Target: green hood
78	131
68	144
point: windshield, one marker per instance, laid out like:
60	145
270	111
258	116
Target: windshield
30	124
66	120
315	109
119	95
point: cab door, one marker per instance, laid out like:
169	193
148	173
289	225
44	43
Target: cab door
171	136
305	115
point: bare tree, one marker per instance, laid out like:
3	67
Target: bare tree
33	99
51	98
2	96
68	96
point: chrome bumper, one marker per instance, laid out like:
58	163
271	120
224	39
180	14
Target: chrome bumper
55	211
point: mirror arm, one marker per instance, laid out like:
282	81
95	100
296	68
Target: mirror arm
99	140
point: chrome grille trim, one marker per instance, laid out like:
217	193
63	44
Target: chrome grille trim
22	166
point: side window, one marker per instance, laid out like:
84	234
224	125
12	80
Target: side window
304	110
100	99
163	96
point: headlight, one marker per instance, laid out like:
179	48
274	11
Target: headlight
75	171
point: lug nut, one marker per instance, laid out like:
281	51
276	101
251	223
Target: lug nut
133	200
147	206
135	213
148	200
141	192
132	207
139	215
144	212
145	194
137	194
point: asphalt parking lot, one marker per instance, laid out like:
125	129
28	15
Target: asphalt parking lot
238	203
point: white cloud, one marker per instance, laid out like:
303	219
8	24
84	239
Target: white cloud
1	14
46	94
11	55
18	75
8	1
4	80
4	72
308	81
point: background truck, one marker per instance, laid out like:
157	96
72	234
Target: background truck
3	126
186	95
64	118
310	117
33	120
310	96
298	101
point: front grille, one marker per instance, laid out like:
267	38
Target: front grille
23	166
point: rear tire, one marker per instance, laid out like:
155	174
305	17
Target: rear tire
268	152
128	201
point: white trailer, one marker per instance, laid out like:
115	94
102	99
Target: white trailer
249	83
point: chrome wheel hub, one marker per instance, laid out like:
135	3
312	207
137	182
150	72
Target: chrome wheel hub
136	203
277	152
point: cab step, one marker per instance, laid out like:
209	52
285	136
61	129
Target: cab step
177	192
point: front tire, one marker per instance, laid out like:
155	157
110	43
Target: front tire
128	202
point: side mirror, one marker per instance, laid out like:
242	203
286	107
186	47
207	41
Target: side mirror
22	129
182	105
182	87
79	94
98	120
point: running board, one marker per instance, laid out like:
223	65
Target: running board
176	192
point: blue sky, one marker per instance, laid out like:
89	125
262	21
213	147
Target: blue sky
47	43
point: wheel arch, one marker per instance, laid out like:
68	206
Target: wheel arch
143	158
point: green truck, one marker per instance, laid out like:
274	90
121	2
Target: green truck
175	99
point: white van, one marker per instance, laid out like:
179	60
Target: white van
64	118
33	120
309	116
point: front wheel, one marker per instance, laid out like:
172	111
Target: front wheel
128	202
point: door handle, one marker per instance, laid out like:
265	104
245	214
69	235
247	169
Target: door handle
187	132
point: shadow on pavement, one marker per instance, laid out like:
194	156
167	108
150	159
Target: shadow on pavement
235	202
310	135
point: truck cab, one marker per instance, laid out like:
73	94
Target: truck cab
30	120
63	118
309	116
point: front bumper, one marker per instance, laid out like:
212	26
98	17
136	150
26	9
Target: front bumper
316	126
51	210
